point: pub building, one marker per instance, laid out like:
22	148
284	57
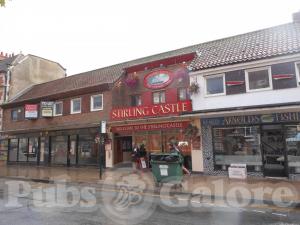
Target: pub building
146	109
248	102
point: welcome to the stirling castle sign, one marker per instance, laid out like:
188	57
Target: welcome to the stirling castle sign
253	119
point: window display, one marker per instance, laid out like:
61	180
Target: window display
237	145
293	147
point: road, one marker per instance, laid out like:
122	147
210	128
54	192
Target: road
105	206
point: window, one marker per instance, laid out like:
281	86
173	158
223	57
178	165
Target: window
215	85
58	108
16	114
159	97
76	105
298	72
136	100
258	79
96	102
183	94
237	145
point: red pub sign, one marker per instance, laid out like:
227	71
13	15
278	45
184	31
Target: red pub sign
153	126
151	111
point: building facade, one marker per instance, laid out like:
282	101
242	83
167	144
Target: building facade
18	73
248	102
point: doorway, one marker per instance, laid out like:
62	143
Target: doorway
123	149
274	154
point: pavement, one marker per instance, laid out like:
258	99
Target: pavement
255	191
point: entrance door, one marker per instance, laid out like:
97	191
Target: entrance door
273	146
123	149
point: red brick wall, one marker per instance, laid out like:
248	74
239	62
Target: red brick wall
82	119
121	94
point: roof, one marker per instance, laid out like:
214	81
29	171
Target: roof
106	75
275	41
270	42
5	63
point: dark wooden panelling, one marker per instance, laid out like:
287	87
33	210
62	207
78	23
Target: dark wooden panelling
284	68
237	75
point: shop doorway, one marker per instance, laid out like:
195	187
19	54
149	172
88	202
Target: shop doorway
274	154
123	149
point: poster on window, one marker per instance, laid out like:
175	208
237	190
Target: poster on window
47	109
31	111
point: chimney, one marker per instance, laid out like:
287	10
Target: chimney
296	17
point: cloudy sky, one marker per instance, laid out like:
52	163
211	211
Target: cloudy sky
84	35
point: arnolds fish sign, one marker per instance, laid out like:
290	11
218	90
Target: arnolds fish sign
151	110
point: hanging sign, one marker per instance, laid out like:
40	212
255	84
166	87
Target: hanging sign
158	79
31	111
47	109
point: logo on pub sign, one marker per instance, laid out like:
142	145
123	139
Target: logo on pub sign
158	79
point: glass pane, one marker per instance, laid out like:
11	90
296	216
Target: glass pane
162	97
215	85
258	79
293	147
33	149
44	150
237	145
156	98
154	143
97	102
76	105
14	114
23	152
87	150
59	146
3	149
73	149
182	94
13	150
58	108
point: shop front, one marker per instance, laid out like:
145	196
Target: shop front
65	148
154	127
269	144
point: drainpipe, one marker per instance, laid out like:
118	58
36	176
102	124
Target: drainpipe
7	82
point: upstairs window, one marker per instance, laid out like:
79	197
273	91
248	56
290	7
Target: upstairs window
17	114
159	97
58	108
76	105
298	72
215	85
97	102
136	100
258	79
183	94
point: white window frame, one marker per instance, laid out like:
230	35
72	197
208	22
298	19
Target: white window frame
72	112
268	68
163	91
297	73
92	103
214	76
54	108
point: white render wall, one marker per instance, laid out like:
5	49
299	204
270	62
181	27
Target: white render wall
202	102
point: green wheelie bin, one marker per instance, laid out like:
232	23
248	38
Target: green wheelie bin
167	168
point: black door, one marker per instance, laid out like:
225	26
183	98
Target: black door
274	155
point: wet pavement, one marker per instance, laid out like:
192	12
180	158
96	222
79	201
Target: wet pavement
104	206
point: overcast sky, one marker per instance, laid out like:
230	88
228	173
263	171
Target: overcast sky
84	35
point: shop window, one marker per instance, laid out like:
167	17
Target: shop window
58	108
13	150
258	79
136	100
215	85
237	145
183	94
23	149
97	102
159	97
293	147
3	149
76	105
87	150
17	114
